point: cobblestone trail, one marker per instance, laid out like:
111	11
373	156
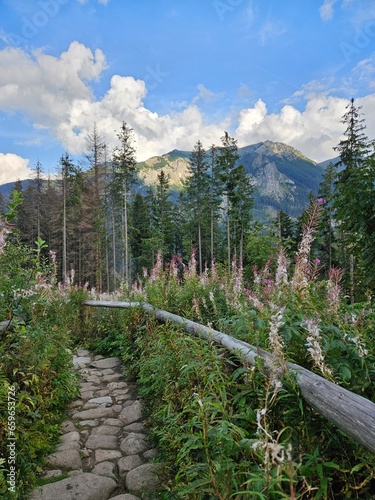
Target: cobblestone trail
104	449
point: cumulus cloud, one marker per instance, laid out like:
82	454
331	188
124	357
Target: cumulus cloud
314	131
55	94
13	167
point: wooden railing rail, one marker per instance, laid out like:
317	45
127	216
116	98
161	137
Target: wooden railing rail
350	412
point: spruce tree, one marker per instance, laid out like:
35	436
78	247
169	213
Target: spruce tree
236	190
197	190
124	176
353	199
162	213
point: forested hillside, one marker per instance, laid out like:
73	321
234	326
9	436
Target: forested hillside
108	219
300	289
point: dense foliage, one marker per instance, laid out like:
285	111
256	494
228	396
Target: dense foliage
228	430
301	289
36	376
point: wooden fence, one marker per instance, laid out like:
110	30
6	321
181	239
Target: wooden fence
353	414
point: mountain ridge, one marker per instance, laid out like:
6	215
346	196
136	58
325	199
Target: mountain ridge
283	177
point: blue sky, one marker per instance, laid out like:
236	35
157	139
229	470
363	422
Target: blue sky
177	71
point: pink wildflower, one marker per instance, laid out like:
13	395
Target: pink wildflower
313	343
281	271
333	288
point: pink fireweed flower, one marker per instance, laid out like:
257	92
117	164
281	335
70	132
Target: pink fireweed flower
253	299
302	271
333	288
173	266
158	267
275	339
192	264
277	347
281	277
313	343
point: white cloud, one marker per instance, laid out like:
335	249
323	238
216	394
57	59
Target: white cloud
54	93
314	131
364	71
13	167
326	10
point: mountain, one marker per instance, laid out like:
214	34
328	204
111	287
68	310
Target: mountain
282	176
175	164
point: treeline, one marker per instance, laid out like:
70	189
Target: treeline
102	226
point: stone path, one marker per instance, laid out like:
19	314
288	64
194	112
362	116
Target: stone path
104	449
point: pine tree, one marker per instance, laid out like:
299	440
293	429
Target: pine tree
236	190
162	213
327	233
141	233
95	213
214	200
124	168
197	190
353	198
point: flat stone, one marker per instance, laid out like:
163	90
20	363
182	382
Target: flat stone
81	362
94	414
133	444
105	430
98	356
101	393
90	406
85	395
76	404
117	408
143	478
102	401
104	455
67	459
113	421
83	352
94	379
52	473
104	469
136	427
116	385
125	464
89	423
131	413
74	445
108	371
88	387
111	378
150	454
68	426
120	392
83	486
106	363
70	437
105	442
122	398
